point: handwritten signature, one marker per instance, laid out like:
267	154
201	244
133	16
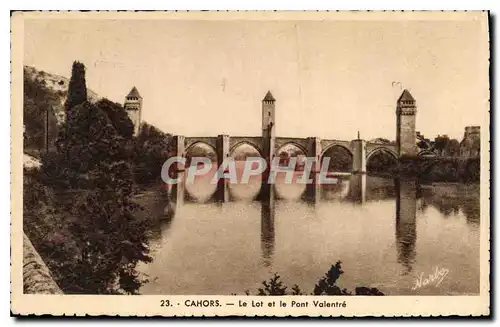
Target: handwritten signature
435	278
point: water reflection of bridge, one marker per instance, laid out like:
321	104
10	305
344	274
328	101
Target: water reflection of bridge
409	198
311	193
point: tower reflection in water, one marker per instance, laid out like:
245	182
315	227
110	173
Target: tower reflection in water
267	232
406	226
176	196
357	188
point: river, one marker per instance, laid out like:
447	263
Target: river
389	235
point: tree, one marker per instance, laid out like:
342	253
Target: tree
295	152
118	117
274	286
110	238
422	145
296	290
382	161
77	90
95	162
340	159
284	158
151	150
367	291
452	148
201	150
327	285
381	140
440	143
82	144
37	99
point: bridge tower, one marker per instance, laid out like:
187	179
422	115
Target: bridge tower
313	190
358	147
133	107
268	140
268	115
405	126
178	171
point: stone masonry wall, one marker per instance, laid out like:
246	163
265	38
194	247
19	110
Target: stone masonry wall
36	275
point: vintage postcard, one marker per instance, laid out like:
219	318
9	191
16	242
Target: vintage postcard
210	164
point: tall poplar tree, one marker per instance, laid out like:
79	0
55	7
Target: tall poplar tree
77	91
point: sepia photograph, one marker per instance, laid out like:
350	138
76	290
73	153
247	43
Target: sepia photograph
204	161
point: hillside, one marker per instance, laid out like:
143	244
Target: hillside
57	85
44	90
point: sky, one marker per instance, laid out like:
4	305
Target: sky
331	78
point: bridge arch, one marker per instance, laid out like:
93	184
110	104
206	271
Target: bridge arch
246	142
191	146
339	161
201	189
295	144
240	151
382	160
381	150
333	145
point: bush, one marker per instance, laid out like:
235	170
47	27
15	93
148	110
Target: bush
118	117
327	285
151	150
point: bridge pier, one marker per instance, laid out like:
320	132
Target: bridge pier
357	182
222	149
177	190
179	145
313	190
357	188
358	156
266	189
268	144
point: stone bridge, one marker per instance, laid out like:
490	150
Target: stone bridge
269	145
360	150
